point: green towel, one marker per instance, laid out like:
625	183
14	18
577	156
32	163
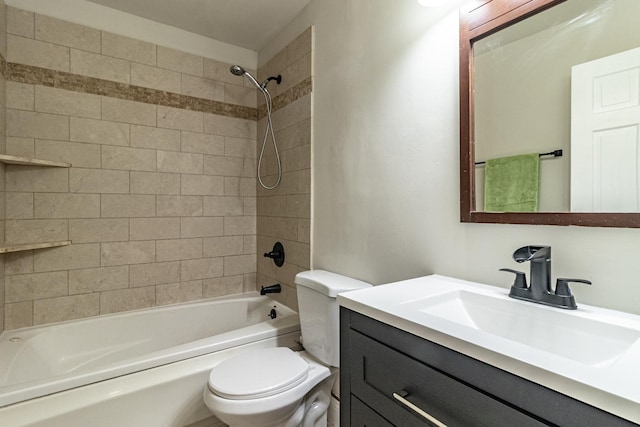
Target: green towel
511	184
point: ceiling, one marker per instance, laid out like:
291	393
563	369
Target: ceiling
250	24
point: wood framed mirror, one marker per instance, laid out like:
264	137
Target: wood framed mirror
491	31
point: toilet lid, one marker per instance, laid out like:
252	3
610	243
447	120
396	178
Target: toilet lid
258	373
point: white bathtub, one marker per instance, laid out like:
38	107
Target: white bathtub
140	368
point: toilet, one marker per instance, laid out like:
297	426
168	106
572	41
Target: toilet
278	387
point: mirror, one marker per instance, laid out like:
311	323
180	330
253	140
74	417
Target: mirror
530	76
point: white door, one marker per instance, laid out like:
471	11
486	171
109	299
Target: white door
605	134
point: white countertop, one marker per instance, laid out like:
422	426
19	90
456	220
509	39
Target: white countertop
613	386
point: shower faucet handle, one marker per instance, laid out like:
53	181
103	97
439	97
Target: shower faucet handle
276	254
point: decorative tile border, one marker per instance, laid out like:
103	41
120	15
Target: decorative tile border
28	74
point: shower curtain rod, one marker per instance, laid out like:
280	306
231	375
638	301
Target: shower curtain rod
554	153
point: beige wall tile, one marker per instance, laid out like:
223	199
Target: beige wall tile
98	279
20	22
37	179
37	53
201	227
179	205
299	47
193	142
221	286
183	62
123	253
17	146
223	246
28	124
19	205
156	138
98	181
129	49
239	225
54	30
155	78
240	95
24	287
246	187
120	110
59	101
127	299
155	183
249	206
67	257
295	73
297	159
18	315
18	262
202	185
200	268
154	274
178	249
223	206
249	244
229	126
219	71
135	159
298	206
99	132
239	147
20	96
98	230
154	228
65	308
56	205
239	264
297	111
127	205
203	88
298	254
188	163
304	230
176	118
78	154
178	292
101	67
223	166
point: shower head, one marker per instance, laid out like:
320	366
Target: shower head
237	70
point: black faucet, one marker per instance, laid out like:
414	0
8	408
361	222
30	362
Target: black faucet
540	289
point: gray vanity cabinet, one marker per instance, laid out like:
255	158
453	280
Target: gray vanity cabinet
388	376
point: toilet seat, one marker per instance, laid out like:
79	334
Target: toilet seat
258	373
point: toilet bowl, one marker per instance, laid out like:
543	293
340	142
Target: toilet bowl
278	387
269	388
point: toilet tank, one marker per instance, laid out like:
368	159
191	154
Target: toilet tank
319	313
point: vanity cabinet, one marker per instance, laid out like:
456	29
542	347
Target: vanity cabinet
389	377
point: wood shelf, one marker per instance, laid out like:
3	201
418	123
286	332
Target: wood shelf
30	246
17	160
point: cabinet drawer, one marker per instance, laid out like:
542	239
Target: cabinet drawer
377	372
363	416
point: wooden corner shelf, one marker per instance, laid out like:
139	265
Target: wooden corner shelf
17	160
7	248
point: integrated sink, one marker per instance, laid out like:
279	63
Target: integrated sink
562	333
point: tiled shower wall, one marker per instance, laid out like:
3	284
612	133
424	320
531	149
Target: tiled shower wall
284	214
3	55
160	201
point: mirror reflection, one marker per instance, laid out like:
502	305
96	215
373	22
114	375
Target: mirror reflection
557	111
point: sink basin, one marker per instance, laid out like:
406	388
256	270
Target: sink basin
592	342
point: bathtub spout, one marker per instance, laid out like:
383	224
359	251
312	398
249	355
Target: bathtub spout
273	289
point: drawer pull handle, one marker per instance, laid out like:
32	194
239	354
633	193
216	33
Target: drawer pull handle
400	397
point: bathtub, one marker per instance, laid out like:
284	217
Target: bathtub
146	367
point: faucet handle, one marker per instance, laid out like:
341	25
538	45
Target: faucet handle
520	281
562	286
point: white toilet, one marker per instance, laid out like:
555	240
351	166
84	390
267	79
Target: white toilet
277	387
